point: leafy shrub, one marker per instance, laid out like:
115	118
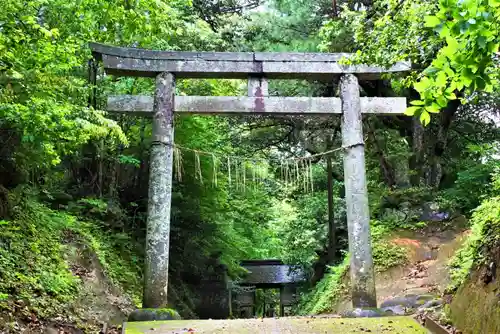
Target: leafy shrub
118	253
32	266
32	257
327	292
415	196
385	253
406	219
119	257
403	208
470	181
485	235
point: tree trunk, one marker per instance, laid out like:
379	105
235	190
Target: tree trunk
142	150
332	242
417	159
445	119
385	164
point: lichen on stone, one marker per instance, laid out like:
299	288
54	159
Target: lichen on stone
151	314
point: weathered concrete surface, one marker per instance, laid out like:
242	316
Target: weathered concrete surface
100	49
401	325
207	105
358	215
258	86
191	69
160	194
153	314
148	63
139	105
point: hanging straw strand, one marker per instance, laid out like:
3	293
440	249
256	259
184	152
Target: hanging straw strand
214	177
294	172
229	170
178	164
198	166
311	175
243	165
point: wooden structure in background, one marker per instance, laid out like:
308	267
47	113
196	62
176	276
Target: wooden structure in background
269	274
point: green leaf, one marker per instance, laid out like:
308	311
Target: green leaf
417	103
467	73
466	81
452	48
474	68
425	118
433	108
481	41
15	75
430	70
449	71
489	88
453	86
462	26
451	96
441	79
480	83
442	101
493	47
422	85
444	31
431	21
410	111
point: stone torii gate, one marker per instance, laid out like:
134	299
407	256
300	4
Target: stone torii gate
257	67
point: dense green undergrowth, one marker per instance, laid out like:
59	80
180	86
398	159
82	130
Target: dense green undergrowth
32	266
35	276
474	307
119	254
386	254
326	292
483	239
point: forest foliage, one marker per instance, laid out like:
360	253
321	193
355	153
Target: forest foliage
70	171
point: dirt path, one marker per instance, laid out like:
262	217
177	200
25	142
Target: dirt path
430	251
297	325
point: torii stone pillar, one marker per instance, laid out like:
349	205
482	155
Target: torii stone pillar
257	67
160	194
356	195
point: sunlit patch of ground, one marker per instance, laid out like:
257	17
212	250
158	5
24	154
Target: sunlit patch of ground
386	325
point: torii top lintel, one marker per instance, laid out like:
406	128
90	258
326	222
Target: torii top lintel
233	65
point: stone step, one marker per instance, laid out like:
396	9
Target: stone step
382	325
